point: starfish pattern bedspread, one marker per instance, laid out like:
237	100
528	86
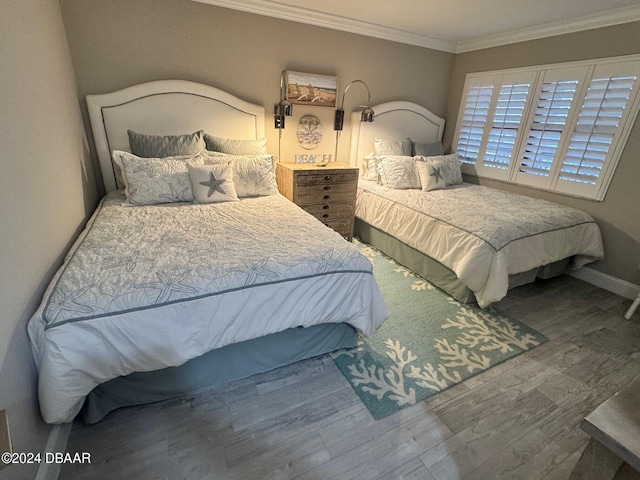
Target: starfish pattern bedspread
148	287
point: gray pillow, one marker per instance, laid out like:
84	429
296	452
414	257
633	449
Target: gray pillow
427	149
235	147
160	146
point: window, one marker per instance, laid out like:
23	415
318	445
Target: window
474	120
559	127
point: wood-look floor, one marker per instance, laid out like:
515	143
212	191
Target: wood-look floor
518	420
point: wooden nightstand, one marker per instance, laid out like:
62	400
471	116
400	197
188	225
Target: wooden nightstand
328	193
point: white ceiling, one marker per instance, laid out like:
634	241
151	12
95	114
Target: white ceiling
449	25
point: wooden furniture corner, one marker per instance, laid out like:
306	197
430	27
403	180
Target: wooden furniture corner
328	193
614	449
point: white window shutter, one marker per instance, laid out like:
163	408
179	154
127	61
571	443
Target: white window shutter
602	116
506	123
546	129
557	127
474	118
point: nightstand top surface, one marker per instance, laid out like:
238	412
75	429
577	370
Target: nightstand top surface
315	166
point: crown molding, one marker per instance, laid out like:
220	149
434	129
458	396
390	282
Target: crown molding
334	22
588	22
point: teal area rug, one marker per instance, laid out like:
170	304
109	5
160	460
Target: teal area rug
429	342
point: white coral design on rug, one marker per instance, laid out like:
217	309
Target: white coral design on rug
483	331
379	382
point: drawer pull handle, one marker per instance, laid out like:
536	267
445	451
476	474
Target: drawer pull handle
327	187
325	207
327	177
326	197
326	215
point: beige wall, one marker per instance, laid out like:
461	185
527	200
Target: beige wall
118	43
618	215
47	189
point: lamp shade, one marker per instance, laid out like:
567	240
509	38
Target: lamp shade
367	115
285	107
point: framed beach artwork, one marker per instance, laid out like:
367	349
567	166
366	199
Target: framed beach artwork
311	89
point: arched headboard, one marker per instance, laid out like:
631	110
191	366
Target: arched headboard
393	121
167	107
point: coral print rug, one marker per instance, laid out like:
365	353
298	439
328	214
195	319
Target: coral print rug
429	342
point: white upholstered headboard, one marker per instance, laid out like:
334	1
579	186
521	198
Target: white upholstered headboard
393	121
167	107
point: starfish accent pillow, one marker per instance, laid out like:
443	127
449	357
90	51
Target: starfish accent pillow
450	167
212	183
431	175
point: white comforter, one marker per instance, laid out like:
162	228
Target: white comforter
149	287
482	234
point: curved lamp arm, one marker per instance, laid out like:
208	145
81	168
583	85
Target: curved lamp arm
367	114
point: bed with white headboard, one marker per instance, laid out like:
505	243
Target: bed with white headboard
155	299
167	107
472	241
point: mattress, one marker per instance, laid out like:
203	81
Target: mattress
482	234
150	287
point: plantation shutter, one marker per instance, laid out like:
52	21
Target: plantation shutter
558	127
504	132
474	119
600	122
504	128
546	130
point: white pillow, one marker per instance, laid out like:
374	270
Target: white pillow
392	147
212	183
398	172
253	175
450	167
150	181
369	170
431	175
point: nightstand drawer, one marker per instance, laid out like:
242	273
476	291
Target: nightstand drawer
316	193
343	227
331	211
321	196
326	178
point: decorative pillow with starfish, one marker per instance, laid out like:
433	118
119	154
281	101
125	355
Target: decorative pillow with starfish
450	166
431	175
212	183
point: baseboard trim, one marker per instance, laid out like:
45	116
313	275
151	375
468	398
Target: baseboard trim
608	282
57	442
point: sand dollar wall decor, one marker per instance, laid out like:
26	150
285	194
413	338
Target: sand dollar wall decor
309	132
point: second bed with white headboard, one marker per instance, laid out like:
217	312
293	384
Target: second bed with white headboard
182	280
472	241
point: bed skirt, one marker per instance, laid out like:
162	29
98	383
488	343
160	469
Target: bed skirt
434	271
232	362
